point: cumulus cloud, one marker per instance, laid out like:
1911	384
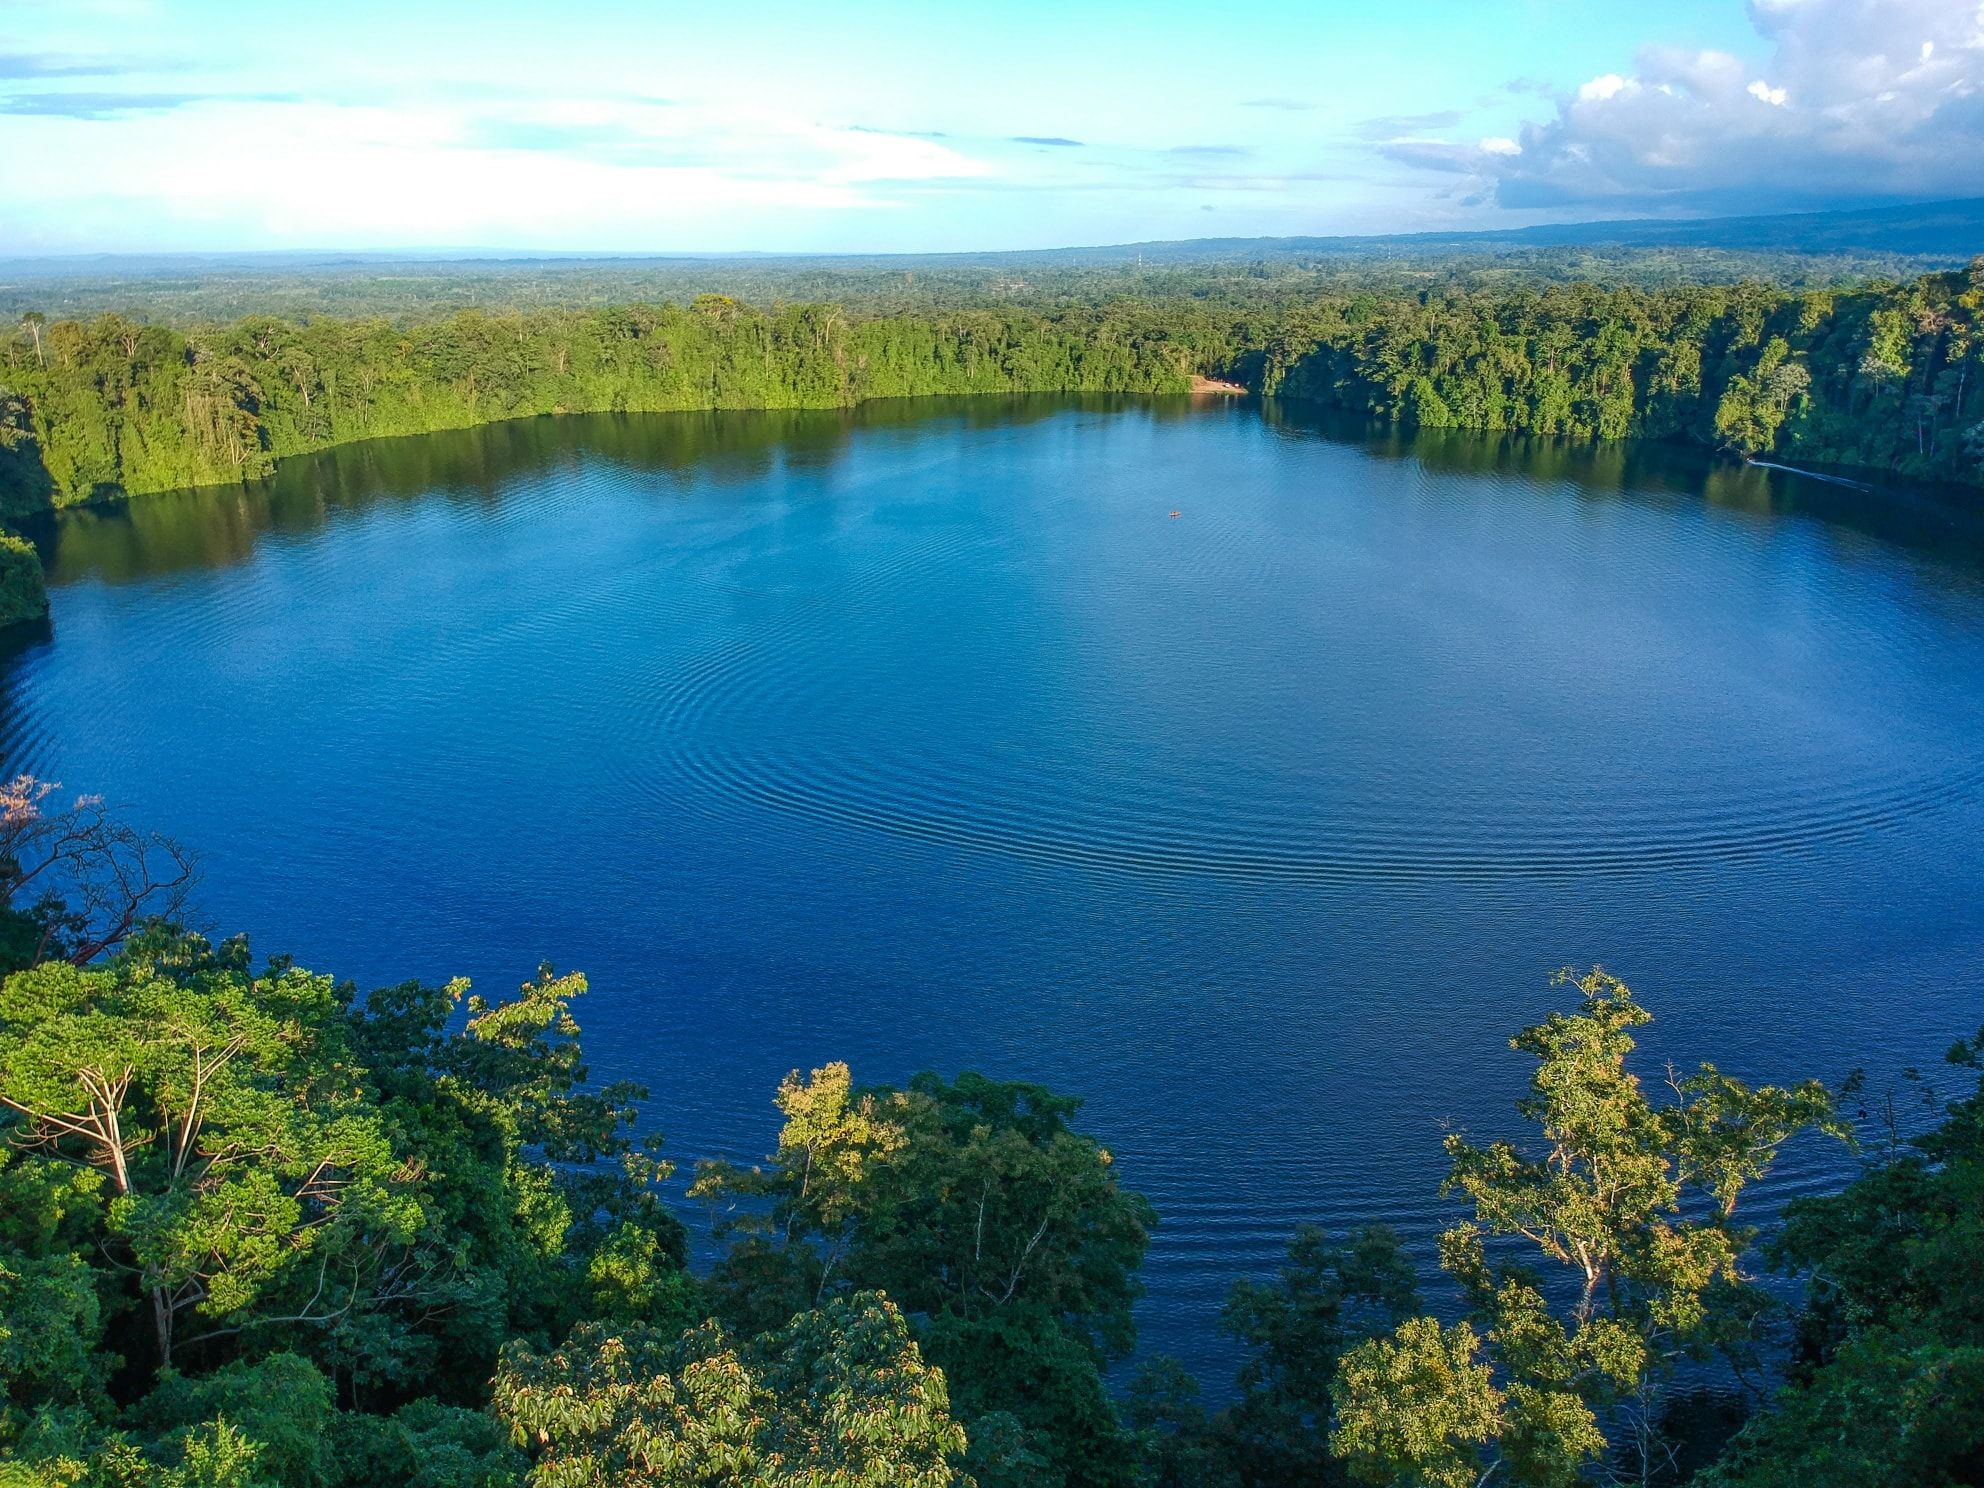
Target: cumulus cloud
1858	99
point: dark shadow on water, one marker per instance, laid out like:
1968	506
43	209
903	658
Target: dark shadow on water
1947	522
211	527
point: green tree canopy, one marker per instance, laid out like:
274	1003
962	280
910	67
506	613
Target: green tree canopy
978	1207
1635	1200
839	1398
1887	1387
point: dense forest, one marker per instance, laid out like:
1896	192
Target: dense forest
259	1229
1235	274
1814	249
1878	378
117	408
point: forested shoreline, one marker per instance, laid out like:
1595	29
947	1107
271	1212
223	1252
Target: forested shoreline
1882	378
258	1230
114	408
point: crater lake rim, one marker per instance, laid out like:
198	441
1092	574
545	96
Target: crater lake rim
923	735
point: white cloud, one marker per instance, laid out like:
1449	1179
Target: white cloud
617	173
1863	99
1497	144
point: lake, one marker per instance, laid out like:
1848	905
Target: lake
1243	772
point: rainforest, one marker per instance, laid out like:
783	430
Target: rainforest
1876	378
992	745
261	1225
1028	1040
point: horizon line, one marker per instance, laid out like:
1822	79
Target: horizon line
451	253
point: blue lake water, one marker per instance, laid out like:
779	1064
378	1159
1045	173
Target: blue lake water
1243	773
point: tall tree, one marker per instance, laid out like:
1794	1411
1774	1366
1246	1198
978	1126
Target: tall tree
975	1205
1637	1202
217	1108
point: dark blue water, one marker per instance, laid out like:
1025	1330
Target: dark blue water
929	736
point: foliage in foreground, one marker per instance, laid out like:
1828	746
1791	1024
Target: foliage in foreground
840	1395
256	1230
1887	1378
1637	1201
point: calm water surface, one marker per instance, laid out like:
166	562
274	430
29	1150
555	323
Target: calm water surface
1244	775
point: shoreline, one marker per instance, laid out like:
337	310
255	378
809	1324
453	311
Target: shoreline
1863	479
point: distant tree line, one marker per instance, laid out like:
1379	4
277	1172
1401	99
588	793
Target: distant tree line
1803	249
260	1231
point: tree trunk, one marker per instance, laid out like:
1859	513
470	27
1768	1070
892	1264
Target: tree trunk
162	1324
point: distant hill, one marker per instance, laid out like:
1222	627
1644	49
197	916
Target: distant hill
1952	227
1945	229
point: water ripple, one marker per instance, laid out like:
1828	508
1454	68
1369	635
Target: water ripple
732	730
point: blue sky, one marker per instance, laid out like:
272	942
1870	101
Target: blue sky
135	125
